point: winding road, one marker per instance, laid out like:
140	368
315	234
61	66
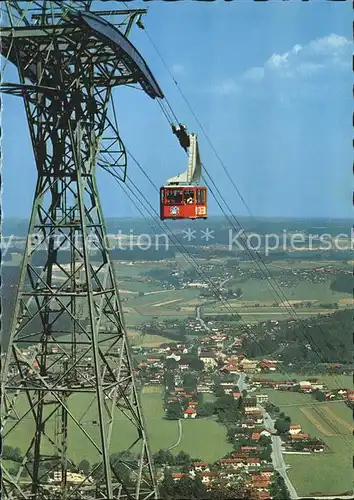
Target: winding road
179	422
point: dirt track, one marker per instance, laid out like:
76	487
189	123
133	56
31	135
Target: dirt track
335	418
322	428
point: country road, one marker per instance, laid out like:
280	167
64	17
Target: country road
179	436
277	456
201	321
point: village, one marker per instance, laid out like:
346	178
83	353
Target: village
211	376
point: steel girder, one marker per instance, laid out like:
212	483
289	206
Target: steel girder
68	378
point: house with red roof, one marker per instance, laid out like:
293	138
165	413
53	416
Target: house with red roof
200	466
267	471
176	476
300	436
253	461
294	429
243	455
190	412
263	495
255	436
232	463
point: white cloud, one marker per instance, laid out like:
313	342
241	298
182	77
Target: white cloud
330	53
329	44
254	74
317	55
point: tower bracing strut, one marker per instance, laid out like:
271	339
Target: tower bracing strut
69	397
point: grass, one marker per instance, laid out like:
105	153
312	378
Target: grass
204	439
150	340
259	290
329	472
161	433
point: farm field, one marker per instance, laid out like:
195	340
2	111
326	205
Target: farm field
137	269
308	264
257	289
333	382
331	422
149	340
136	286
164	296
162	433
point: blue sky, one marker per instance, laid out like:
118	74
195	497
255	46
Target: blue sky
271	85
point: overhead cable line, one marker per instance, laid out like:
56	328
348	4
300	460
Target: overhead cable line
268	276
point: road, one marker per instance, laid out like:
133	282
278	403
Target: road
277	455
242	385
179	436
200	319
225	281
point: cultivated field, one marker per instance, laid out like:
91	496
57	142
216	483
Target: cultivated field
329	472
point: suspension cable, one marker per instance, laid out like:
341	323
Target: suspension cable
200	272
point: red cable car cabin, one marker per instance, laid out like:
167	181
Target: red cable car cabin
183	202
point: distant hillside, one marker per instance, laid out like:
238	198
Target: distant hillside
259	225
311	341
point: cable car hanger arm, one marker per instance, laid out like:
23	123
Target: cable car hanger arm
189	142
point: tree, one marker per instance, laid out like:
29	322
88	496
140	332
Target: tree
186	487
278	489
221	490
169	380
171	364
84	466
174	411
196	364
190	382
205	410
282	426
320	396
183	458
118	461
163	457
13	454
219	391
227	409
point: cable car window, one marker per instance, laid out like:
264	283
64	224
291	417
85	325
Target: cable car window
188	196
174	196
201	196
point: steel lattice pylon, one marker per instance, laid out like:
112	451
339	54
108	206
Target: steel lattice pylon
68	386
